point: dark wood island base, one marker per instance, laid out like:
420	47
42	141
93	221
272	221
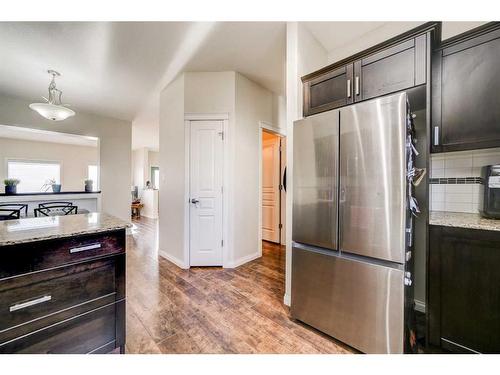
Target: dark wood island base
64	294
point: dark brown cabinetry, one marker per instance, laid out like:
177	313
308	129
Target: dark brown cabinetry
463	289
395	65
63	296
466	83
328	91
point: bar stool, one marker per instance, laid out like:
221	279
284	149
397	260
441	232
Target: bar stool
55	209
10	211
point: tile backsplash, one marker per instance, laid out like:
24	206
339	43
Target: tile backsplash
450	189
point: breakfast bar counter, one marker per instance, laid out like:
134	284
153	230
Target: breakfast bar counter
62	284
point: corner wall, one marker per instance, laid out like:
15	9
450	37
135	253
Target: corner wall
172	164
115	147
304	54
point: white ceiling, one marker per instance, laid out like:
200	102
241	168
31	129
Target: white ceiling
16	132
117	69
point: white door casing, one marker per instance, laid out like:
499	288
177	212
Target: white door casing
205	184
270	189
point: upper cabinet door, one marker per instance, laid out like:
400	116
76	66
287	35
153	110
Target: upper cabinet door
393	69
331	90
466	83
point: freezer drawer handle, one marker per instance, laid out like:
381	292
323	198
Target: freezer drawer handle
85	248
33	302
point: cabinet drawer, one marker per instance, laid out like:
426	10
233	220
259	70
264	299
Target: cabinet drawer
59	252
82	334
34	296
36	256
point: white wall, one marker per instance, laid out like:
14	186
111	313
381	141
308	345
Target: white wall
304	54
74	160
246	103
114	153
253	104
172	164
392	29
140	167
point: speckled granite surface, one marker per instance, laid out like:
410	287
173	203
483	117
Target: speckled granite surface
44	228
463	220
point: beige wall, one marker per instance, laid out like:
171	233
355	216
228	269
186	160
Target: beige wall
114	153
74	160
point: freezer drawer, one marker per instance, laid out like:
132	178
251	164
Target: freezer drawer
360	304
315	180
372	178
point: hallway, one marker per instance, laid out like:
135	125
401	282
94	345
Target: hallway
211	310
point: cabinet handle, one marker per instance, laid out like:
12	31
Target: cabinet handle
348	88
23	305
85	248
356	85
436	135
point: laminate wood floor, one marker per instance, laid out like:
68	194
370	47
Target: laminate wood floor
211	309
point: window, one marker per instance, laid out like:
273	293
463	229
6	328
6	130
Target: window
155	177
33	174
93	174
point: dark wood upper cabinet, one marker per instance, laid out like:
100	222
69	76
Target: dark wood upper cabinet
397	64
463	301
466	83
331	90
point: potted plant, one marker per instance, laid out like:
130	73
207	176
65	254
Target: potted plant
51	183
11	185
89	186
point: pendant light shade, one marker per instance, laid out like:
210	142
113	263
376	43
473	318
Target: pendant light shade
53	109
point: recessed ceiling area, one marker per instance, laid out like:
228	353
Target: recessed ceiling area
117	69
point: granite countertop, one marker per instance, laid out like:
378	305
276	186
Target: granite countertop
45	228
463	220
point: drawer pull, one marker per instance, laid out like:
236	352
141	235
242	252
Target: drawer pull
84	248
33	302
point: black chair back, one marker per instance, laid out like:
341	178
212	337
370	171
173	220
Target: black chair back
14	207
55	208
9	214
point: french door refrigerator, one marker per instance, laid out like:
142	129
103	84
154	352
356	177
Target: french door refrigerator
351	251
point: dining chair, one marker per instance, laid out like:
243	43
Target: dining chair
55	209
9	214
15	207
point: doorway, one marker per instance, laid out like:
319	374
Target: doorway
206	192
273	186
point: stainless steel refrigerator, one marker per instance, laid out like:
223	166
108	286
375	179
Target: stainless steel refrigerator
350	221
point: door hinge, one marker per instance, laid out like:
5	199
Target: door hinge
221	135
281	187
222	189
222	243
280	226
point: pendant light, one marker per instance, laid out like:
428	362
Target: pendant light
53	110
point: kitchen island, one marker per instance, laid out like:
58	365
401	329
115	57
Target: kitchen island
62	284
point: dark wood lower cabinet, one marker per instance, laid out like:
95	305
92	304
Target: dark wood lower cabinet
464	290
64	296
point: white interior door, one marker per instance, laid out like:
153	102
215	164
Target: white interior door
205	214
270	188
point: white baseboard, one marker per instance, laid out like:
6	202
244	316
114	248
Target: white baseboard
174	260
243	260
287	300
153	216
420	306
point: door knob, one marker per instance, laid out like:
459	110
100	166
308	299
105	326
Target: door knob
194	201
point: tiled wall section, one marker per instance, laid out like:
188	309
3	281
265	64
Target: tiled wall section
459	197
